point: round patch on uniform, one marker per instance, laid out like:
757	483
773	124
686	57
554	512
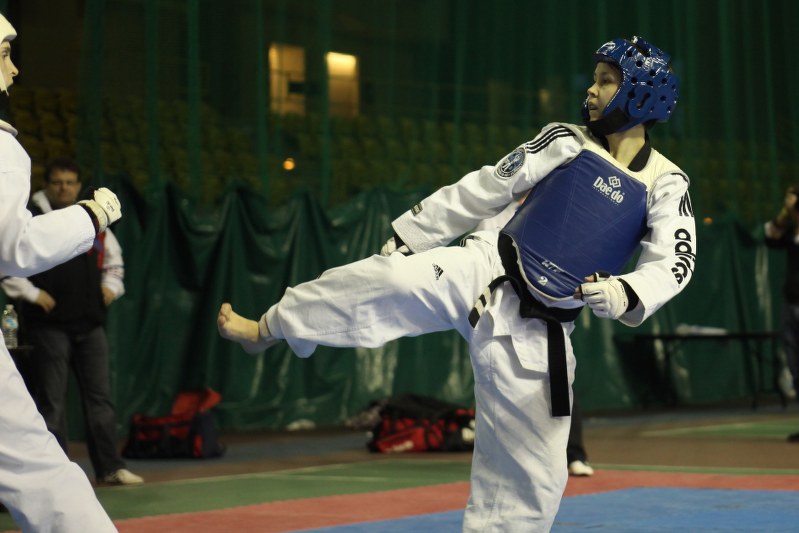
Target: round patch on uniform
512	162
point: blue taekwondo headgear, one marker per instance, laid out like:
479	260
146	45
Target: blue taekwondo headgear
648	91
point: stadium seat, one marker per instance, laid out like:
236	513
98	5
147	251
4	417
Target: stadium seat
56	147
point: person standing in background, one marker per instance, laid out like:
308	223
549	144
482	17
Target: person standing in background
782	232
63	312
576	456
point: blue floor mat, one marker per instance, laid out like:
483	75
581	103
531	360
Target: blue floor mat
644	510
661	510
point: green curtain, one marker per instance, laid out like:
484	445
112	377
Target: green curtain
181	267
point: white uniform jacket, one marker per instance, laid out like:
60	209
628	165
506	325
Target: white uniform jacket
29	244
667	257
113	274
43	490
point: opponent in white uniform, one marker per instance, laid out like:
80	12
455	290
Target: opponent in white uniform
42	489
518	331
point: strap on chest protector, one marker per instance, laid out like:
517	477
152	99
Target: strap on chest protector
529	307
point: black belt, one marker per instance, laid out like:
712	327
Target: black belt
529	307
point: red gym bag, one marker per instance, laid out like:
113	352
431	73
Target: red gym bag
189	431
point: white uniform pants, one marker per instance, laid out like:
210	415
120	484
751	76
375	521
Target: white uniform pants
519	465
42	489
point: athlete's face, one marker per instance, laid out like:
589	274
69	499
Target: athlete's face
607	79
6	65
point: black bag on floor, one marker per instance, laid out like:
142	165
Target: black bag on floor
189	431
413	423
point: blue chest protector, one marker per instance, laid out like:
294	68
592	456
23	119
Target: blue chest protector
587	215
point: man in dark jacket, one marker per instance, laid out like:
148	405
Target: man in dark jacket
783	232
63	313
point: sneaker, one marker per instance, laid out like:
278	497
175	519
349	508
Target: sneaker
579	468
123	476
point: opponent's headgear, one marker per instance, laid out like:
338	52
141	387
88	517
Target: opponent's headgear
648	90
7	33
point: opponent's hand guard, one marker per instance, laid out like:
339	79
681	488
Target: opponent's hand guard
395	244
104	207
606	297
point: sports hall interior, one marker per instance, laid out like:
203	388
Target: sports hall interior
256	143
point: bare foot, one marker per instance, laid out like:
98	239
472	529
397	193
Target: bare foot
244	331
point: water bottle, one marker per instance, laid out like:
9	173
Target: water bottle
10	325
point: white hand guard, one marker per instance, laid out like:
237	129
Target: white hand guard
607	298
391	246
105	206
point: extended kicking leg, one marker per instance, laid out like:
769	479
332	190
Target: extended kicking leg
370	302
251	335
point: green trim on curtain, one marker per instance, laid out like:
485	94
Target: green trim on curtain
687	113
151	84
91	103
775	191
433	16
325	21
725	88
461	53
193	88
391	64
643	25
529	86
575	58
789	78
278	34
261	100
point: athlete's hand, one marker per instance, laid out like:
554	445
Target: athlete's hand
395	244
790	199
45	301
605	296
108	295
105	207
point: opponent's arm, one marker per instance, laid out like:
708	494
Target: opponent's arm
103	208
113	276
29	244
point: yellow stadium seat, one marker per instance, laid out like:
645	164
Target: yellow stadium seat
21	98
44	101
51	125
56	147
25	122
34	146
